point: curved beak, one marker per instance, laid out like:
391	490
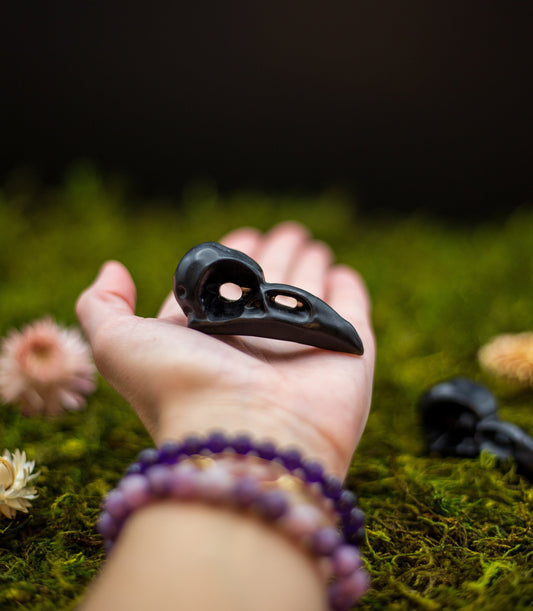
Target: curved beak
307	320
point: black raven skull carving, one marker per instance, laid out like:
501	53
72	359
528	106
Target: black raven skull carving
260	310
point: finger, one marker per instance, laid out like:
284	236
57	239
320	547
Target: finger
279	248
111	296
170	310
246	239
347	294
310	268
281	243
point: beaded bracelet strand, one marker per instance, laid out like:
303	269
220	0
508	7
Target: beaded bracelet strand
186	470
308	470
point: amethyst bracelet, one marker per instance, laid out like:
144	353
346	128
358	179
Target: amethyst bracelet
188	470
309	471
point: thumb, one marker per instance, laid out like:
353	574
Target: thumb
111	296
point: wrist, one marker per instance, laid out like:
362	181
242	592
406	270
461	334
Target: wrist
236	415
278	486
246	565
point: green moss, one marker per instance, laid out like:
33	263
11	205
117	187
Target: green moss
442	534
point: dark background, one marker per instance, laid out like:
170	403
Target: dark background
408	104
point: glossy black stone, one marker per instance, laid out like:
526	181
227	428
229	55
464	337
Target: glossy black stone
258	311
451	412
507	441
460	419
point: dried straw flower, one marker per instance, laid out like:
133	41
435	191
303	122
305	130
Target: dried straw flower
15	475
46	368
509	356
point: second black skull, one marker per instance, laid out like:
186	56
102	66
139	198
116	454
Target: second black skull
451	413
260	309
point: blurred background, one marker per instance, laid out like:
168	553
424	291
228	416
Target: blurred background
405	105
400	132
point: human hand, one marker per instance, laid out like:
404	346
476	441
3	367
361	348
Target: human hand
182	381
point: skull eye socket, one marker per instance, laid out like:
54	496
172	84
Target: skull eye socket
285	301
230	291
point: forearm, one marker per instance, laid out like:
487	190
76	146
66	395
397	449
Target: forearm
194	556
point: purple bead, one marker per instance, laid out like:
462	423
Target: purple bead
355	538
346	502
214	484
148	457
134	468
242	444
159	478
291	459
136	490
183	481
272	504
245	491
332	487
338	601
345	560
347	590
169	452
266	450
325	541
301	520
108	546
192	445
115	504
313	470
107	526
353	521
216	442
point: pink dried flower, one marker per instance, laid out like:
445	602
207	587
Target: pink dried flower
509	356
45	367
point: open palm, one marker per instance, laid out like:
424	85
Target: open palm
180	380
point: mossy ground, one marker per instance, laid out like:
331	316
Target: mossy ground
442	534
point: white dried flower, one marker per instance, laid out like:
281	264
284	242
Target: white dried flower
15	477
